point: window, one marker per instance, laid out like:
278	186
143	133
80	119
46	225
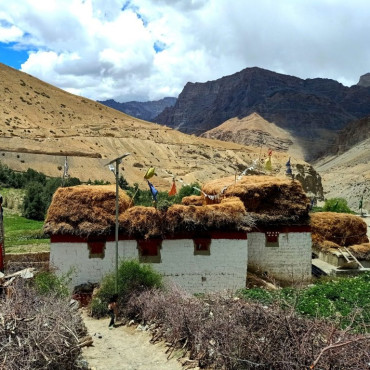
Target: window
272	238
149	250
96	249
202	246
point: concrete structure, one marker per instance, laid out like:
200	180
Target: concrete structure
199	265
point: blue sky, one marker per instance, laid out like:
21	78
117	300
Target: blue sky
149	49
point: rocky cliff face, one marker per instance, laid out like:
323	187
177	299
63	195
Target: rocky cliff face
364	80
354	133
142	110
309	109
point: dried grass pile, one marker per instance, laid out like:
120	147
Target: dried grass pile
193	200
361	251
230	214
142	222
149	222
269	199
331	230
84	210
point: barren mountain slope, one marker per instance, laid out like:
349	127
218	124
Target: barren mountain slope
255	131
347	175
36	117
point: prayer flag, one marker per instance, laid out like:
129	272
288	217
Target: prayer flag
150	173
361	200
173	190
153	190
268	165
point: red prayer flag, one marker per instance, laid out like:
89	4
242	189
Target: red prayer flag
173	190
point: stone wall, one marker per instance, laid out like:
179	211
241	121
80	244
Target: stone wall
224	266
288	259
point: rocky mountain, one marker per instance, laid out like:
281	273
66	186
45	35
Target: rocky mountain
142	110
311	110
364	80
252	130
40	125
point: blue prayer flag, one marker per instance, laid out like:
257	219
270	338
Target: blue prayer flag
153	190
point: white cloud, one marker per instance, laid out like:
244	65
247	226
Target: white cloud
95	48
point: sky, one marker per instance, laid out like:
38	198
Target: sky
149	49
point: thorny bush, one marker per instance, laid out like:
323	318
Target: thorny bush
38	331
228	333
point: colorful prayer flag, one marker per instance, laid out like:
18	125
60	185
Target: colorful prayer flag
268	165
153	190
173	190
150	173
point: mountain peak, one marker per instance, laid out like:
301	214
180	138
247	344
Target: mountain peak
364	80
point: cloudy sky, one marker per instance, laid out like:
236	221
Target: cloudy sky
148	49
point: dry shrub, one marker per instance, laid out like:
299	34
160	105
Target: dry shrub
225	333
193	200
84	210
263	195
341	229
361	251
38	332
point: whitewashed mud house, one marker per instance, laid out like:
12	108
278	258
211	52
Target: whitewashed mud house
205	244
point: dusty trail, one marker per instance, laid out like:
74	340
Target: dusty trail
124	348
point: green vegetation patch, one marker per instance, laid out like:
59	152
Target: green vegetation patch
341	300
24	235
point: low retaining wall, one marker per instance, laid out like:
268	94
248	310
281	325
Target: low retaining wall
26	258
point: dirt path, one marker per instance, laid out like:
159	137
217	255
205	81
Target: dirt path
124	348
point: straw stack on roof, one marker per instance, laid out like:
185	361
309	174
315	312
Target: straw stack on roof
193	200
84	210
148	222
361	251
268	199
340	229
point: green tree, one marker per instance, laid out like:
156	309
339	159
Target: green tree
336	205
34	204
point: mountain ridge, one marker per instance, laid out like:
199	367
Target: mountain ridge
308	109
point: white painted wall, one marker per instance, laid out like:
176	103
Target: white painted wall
65	257
224	268
290	261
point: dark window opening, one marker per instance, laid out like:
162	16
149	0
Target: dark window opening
96	249
202	246
150	250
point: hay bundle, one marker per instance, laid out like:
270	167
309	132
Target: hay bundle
361	251
343	229
193	200
228	215
84	210
272	198
142	221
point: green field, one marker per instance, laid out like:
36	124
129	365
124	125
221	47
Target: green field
23	235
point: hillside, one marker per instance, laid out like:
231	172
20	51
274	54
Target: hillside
40	124
311	110
345	170
252	130
143	110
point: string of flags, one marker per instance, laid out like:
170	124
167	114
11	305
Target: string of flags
173	191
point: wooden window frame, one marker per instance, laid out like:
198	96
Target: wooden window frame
202	246
96	248
272	239
149	250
